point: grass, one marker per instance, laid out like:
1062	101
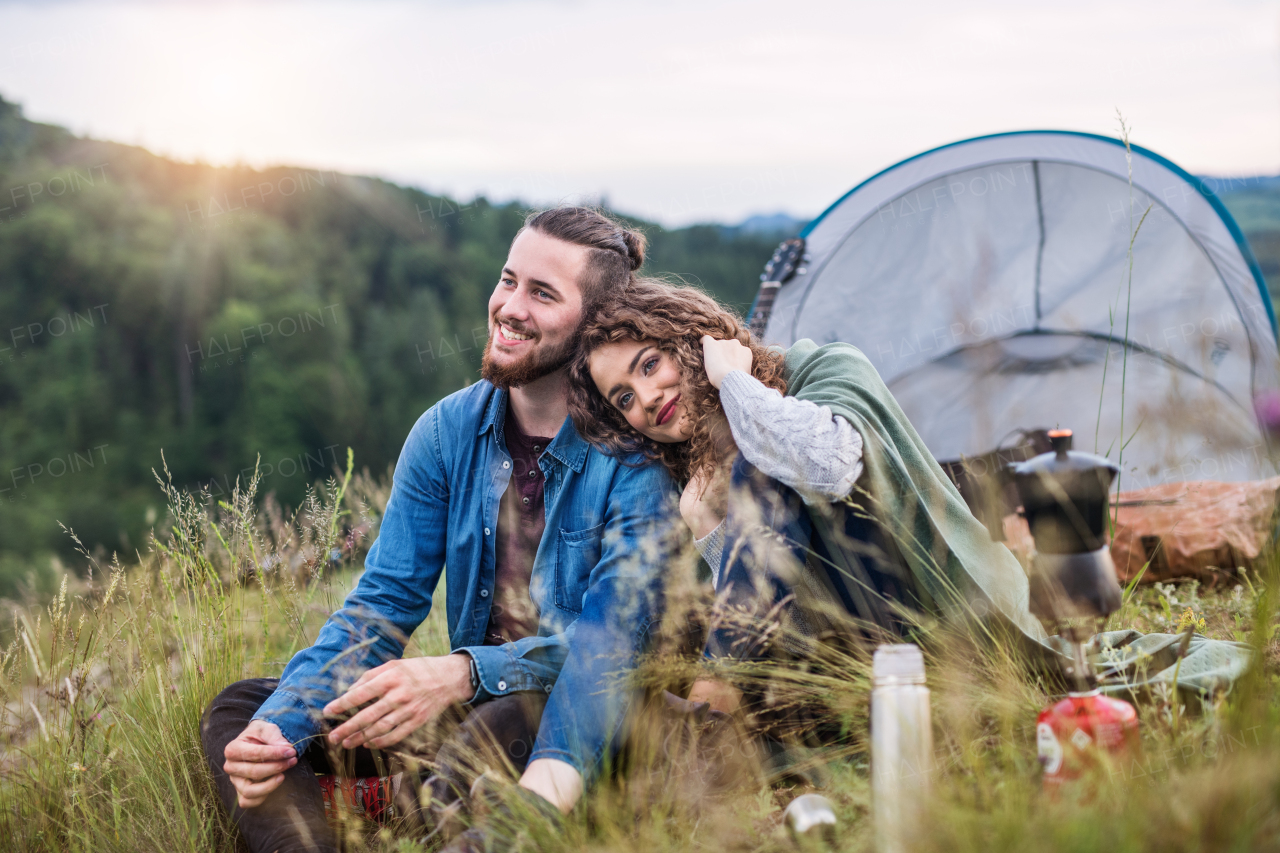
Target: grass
103	688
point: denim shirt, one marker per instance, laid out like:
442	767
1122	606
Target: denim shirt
609	530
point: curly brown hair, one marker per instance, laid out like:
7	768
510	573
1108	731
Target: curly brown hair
674	318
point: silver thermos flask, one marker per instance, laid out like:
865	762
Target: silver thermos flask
901	745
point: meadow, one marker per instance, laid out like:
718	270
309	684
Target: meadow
103	688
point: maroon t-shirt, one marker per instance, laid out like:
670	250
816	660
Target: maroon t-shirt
521	520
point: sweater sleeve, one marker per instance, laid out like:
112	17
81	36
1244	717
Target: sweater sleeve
797	442
711	547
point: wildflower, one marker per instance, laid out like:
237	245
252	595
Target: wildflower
1190	619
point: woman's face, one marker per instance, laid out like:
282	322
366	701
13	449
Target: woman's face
643	383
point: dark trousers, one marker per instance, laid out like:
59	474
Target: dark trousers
293	818
772	545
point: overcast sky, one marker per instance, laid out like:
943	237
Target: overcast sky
678	111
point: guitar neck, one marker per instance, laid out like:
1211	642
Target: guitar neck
764	306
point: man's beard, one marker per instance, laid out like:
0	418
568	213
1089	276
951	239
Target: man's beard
532	367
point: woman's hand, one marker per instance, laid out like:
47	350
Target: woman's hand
720	357
703	504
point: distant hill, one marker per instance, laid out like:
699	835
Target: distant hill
1221	185
781	225
224	314
1254	202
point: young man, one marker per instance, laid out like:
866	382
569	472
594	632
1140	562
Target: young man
552	550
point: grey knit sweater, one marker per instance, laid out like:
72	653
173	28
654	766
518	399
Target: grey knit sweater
796	442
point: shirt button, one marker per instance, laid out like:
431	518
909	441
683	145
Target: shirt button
547	688
506	464
502	685
537	448
533	473
486	531
484	593
526	501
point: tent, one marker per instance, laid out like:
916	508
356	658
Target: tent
989	281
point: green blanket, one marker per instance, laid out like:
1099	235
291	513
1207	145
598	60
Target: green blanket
1133	665
956	568
954	563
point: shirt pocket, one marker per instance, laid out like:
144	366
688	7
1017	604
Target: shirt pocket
576	555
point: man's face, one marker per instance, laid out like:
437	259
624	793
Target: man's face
535	310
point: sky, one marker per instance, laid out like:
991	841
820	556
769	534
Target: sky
681	112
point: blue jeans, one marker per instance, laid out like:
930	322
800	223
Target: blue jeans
772	537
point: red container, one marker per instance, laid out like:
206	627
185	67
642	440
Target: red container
1084	731
367	797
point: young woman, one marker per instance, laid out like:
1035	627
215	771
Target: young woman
807	490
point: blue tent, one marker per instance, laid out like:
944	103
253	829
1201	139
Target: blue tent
989	281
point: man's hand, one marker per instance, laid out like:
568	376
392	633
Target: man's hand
256	761
409	693
720	357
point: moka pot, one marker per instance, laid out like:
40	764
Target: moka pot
1066	499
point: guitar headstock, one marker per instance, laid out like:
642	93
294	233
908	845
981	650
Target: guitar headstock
785	261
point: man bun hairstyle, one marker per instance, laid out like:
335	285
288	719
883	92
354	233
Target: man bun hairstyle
636	244
615	252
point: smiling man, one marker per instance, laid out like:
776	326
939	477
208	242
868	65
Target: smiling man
552	550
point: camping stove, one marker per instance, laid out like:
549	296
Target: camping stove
1065	497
